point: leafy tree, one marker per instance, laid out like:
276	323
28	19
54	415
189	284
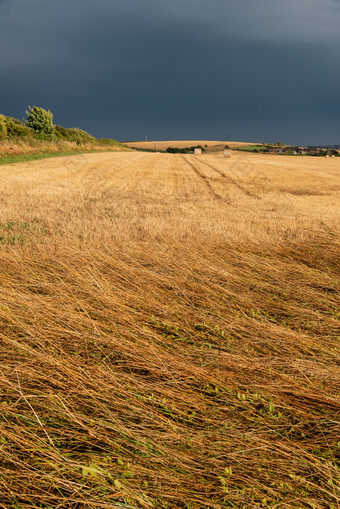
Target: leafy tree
40	121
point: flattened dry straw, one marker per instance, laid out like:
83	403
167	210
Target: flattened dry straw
169	332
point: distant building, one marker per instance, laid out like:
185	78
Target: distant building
198	151
287	150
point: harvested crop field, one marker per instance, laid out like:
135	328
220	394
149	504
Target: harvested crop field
163	145
170	332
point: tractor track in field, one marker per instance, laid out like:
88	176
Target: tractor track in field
182	183
229	179
206	181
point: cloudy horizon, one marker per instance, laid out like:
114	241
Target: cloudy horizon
182	70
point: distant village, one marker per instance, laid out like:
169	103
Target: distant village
333	151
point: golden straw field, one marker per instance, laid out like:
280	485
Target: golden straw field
163	145
170	330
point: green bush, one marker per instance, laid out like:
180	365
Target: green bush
40	121
39	124
16	128
73	134
109	141
80	136
60	133
3	127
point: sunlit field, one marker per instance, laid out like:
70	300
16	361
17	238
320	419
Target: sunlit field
163	145
169	332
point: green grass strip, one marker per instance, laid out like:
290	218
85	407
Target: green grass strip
44	155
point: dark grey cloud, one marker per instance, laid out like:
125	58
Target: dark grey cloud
182	69
305	20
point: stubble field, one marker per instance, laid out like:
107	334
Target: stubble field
169	332
163	145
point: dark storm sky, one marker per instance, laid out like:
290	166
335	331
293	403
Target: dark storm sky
181	69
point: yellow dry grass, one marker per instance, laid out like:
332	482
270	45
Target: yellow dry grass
141	197
169	332
18	147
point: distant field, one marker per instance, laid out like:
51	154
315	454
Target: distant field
169	332
163	145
